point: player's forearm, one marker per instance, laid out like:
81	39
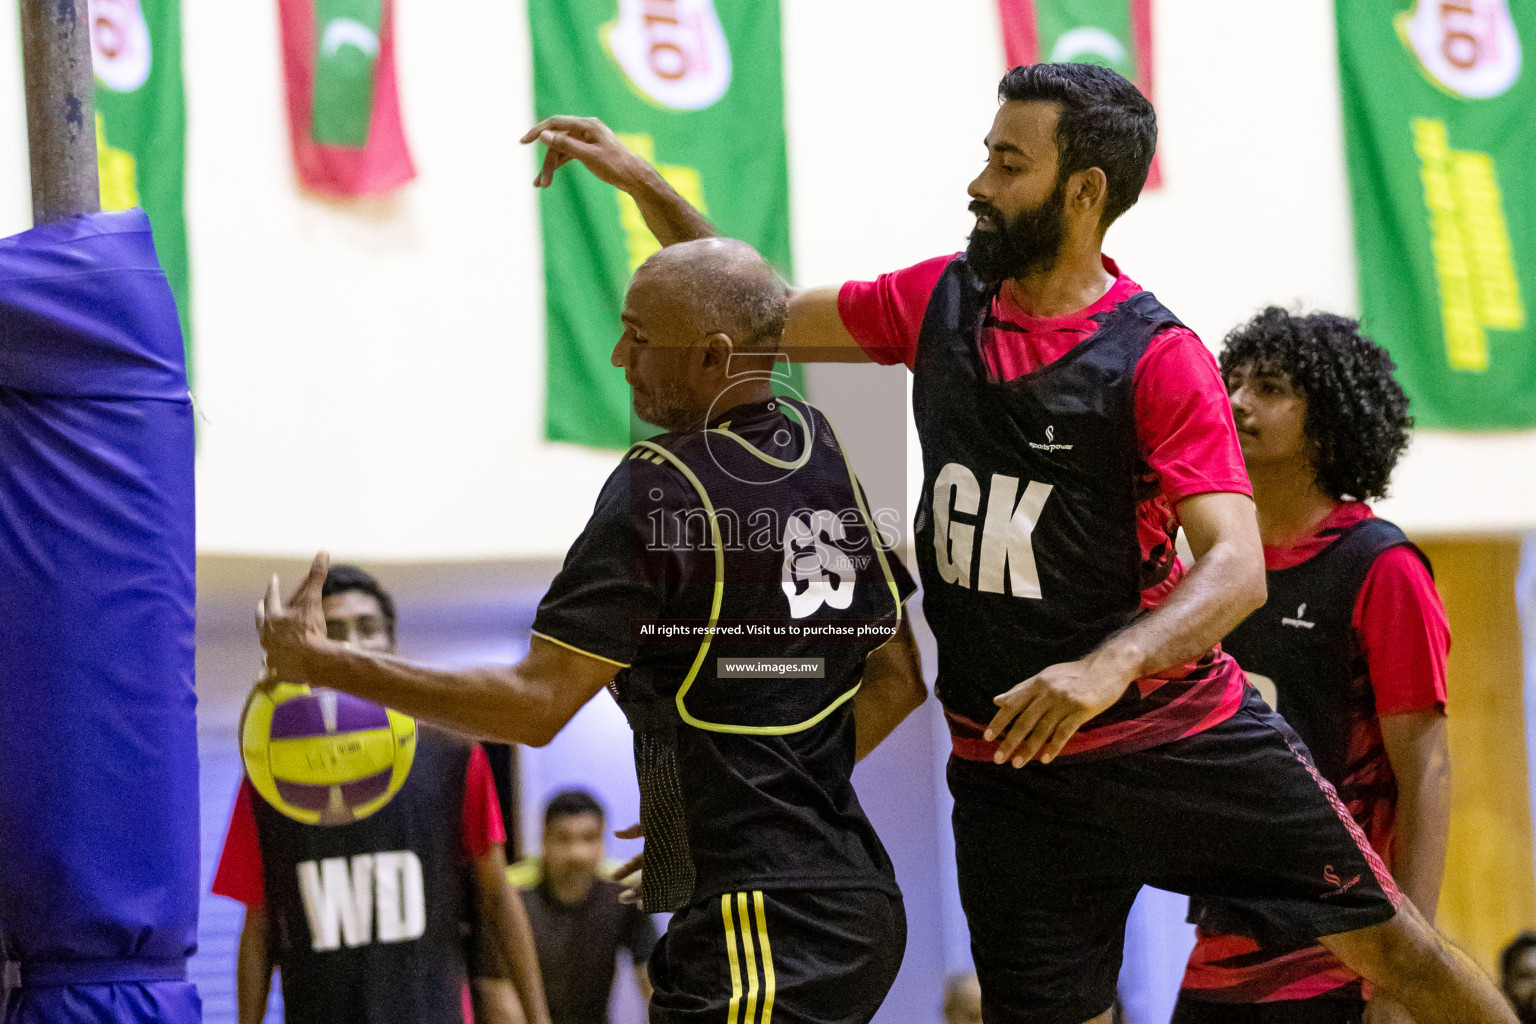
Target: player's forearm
892	688
643	982
1419	861
519	954
1224	586
1423	830
253	969
671	218
496	703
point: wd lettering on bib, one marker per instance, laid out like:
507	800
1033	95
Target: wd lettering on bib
368	921
378	897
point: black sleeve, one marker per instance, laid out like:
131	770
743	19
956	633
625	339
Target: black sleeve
639	935
612	575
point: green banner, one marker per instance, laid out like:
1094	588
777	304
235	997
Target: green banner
141	127
1439	111
696	87
347	46
1088	31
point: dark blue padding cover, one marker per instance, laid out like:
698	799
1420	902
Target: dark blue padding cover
98	748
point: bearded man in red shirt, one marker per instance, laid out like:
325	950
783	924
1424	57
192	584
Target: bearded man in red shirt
1070	425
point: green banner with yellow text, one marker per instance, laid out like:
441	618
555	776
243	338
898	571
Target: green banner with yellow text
1439	117
696	86
141	127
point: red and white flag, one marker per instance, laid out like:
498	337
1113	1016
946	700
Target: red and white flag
343	102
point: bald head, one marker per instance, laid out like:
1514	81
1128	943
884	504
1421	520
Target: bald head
721	286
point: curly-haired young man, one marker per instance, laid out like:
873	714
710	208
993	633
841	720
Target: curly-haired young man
1350	646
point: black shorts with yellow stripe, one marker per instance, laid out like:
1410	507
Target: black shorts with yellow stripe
779	957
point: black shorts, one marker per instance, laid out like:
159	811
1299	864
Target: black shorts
1051	857
1283	1011
779	956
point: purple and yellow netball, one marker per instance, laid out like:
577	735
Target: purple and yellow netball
322	757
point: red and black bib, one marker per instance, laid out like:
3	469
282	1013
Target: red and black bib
1026	528
369	921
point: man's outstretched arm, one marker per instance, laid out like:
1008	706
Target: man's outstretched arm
670	217
504	921
815	332
524	703
1226	583
253	968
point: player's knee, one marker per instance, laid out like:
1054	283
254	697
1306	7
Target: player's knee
1397	955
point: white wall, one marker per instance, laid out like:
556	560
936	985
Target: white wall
372	373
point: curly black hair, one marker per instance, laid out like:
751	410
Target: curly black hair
1357	413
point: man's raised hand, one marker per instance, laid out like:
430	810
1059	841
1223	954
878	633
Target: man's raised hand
585	139
287	631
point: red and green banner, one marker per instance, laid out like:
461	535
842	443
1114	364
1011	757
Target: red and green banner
343	100
696	86
141	127
1114	33
1439	121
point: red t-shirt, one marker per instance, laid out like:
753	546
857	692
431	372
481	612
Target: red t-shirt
1405	637
1183	420
240	869
1182	412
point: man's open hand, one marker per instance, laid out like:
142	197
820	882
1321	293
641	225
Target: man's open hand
629	872
587	140
1047	709
287	632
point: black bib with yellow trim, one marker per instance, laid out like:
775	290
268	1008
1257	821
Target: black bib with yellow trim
741	696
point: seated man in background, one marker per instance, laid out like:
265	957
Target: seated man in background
447	814
1350	647
733	589
1517	976
579	921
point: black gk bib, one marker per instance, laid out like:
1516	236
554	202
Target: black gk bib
1026	530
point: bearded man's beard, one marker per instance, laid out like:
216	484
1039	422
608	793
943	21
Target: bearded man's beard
1028	243
669	406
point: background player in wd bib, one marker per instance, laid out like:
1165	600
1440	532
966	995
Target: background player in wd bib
438	846
1350	647
1069	426
743	535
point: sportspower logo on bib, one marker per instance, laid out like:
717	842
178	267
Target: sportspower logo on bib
673	51
1468	47
1050	442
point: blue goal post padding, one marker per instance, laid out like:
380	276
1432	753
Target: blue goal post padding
98	740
